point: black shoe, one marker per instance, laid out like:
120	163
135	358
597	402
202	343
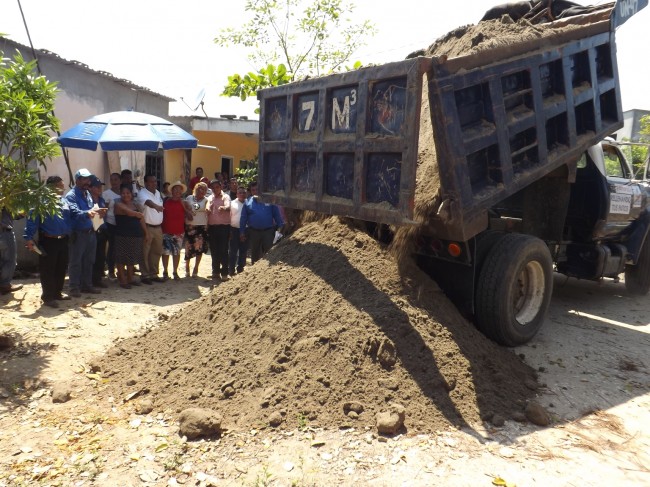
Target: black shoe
100	284
10	288
135	283
52	303
91	290
145	280
158	279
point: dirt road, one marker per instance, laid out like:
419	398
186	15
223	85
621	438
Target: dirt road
591	356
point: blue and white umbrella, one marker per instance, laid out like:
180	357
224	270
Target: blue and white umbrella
127	130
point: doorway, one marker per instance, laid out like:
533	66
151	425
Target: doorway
226	165
154	164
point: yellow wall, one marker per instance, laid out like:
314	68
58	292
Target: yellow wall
174	166
237	146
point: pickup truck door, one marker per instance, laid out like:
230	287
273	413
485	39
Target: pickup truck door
626	197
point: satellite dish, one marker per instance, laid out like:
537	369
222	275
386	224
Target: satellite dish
196	101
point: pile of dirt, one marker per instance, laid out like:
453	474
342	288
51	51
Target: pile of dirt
326	330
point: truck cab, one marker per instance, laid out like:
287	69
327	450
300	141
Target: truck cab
607	217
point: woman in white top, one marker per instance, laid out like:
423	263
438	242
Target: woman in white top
196	229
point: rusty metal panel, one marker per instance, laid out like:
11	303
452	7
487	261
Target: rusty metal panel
345	144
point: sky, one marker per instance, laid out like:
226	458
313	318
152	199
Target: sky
167	45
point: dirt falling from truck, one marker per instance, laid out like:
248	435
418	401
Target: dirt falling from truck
462	41
327	331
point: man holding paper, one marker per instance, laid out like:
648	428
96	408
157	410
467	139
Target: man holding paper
83	242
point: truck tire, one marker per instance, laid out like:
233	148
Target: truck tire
637	277
514	289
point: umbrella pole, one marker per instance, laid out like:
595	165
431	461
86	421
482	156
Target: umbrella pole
67	163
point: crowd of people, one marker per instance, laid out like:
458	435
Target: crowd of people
103	234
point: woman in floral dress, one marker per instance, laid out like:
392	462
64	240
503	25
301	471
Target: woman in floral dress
196	229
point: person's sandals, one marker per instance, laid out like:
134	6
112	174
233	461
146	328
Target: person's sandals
195	273
165	276
176	276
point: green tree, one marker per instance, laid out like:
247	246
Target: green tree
292	39
26	127
248	174
638	154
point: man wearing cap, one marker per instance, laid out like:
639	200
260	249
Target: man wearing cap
151	200
218	210
83	243
52	249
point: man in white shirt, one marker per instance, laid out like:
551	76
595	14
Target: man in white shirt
110	195
237	247
152	203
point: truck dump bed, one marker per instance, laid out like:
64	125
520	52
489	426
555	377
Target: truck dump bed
347	144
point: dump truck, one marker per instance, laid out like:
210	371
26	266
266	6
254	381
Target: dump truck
523	188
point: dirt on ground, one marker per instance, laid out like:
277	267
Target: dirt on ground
327	330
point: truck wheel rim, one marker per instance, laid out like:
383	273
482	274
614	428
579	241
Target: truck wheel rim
529	293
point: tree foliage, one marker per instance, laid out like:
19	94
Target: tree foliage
250	83
247	175
26	126
293	39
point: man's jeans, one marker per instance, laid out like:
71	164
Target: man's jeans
83	246
260	242
7	257
237	252
219	235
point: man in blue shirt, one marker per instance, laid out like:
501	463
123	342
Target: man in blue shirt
83	243
53	233
258	223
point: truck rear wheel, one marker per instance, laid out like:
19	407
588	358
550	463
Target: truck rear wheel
514	289
637	277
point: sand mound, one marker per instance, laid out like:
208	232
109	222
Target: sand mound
326	324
